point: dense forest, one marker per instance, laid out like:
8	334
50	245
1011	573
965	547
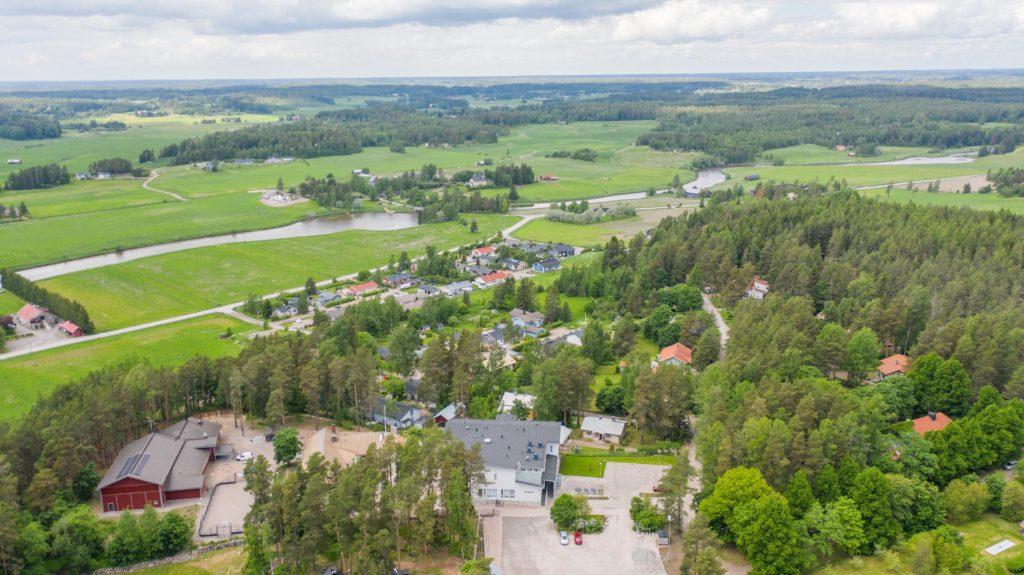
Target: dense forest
21	126
35	177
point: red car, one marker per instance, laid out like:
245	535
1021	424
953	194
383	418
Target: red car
577	537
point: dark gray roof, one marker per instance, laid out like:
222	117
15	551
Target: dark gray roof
175	457
510	444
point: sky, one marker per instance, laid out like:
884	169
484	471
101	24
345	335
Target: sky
94	40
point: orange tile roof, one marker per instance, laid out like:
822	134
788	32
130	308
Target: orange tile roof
484	250
500	275
928	423
897	363
29	312
676	350
365	286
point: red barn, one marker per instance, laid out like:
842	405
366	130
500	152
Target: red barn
159	467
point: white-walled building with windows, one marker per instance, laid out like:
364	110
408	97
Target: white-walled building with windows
520	457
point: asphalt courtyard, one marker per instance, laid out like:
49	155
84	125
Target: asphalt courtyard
530	543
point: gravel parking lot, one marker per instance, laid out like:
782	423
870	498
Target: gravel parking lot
530	543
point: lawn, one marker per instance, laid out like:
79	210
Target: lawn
163	286
592	463
222	562
978	535
9	303
602	375
83	197
28	377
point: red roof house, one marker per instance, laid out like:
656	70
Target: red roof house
30	314
71	329
675	354
934	421
492	279
159	467
549	177
482	251
361	289
892	365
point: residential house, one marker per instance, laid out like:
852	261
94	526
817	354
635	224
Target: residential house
481	251
477	181
103	175
80	176
520	458
428	290
522	318
548	265
757	289
360	289
325	298
934	421
509	399
532	331
492	279
31	316
676	354
605	429
457	288
450	412
71	329
412	387
169	465
395	414
562	250
479	270
511	264
896	364
401	280
494	336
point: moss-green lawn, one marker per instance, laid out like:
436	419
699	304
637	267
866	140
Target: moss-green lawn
9	303
26	378
591	462
163	286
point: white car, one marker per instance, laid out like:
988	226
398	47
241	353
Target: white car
244	456
564	537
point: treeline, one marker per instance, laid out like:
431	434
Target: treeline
35	177
398	501
93	125
57	304
1008	182
16	125
447	206
116	166
305	138
399	126
330	193
508	175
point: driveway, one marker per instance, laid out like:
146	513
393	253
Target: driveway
529	543
723	328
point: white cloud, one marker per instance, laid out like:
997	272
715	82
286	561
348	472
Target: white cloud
679	21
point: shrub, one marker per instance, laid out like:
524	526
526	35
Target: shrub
646	518
1016	565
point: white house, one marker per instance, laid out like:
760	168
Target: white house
758	288
606	429
509	399
520	458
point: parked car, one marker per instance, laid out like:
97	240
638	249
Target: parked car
577	537
1009	465
564	537
655	489
329	571
244	456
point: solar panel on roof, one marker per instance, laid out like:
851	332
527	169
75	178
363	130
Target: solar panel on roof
128	465
141	465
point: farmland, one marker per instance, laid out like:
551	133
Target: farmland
163	286
9	303
542	230
29	377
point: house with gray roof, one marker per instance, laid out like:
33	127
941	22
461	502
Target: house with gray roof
520	458
396	414
168	465
605	429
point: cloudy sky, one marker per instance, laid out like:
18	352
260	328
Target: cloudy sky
208	39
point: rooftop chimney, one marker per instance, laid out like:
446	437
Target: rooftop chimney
931	415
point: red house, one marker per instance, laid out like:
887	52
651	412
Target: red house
360	289
676	354
159	467
71	329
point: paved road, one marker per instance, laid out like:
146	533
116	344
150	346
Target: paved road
152	176
723	328
228	309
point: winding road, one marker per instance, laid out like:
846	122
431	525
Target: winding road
152	176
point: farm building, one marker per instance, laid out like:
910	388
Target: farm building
169	465
71	329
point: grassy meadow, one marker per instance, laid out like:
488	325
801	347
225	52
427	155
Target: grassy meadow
946	199
9	303
26	378
807	154
163	286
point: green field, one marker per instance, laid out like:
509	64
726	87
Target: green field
36	242
542	230
978	535
24	379
811	154
947	199
172	284
9	303
84	197
619	167
77	150
863	175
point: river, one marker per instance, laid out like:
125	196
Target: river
308	228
